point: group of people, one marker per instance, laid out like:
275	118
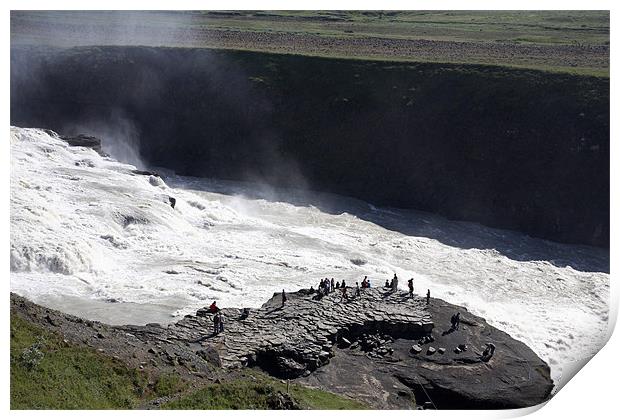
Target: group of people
218	318
326	286
393	284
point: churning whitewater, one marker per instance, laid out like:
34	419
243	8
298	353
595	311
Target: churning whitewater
92	238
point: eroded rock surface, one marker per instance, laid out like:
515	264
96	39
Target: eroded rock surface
361	347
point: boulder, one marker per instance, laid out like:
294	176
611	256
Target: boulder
416	349
289	368
210	355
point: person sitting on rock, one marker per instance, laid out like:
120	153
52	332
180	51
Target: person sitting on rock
358	293
343	284
410	284
488	352
344	295
387	283
337	285
283	297
213	308
365	282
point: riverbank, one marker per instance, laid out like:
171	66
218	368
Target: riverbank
328	345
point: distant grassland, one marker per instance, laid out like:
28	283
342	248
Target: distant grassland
561	41
536	27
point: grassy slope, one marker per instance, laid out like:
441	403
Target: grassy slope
68	377
253	393
74	377
486	28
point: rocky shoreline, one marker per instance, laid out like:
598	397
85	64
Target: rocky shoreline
384	348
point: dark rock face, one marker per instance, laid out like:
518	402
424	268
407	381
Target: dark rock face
360	348
515	377
516	149
84	140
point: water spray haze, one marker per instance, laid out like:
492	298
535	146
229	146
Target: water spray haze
120	138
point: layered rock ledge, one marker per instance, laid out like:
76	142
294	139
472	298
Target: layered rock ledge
388	349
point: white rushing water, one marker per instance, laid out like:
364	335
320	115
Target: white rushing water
91	238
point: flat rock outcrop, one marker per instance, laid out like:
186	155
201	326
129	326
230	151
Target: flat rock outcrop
84	140
384	347
437	375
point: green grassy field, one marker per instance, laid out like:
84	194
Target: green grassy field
560	41
48	373
254	393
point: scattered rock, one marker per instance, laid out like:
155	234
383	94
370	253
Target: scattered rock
431	350
281	401
50	320
416	349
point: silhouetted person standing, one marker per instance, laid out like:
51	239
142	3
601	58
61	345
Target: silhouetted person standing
428	296
221	322
410	284
283	297
216	323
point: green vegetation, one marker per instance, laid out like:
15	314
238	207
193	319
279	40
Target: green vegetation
168	384
521	26
255	392
562	40
47	373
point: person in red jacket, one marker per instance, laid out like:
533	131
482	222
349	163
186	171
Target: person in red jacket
213	308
